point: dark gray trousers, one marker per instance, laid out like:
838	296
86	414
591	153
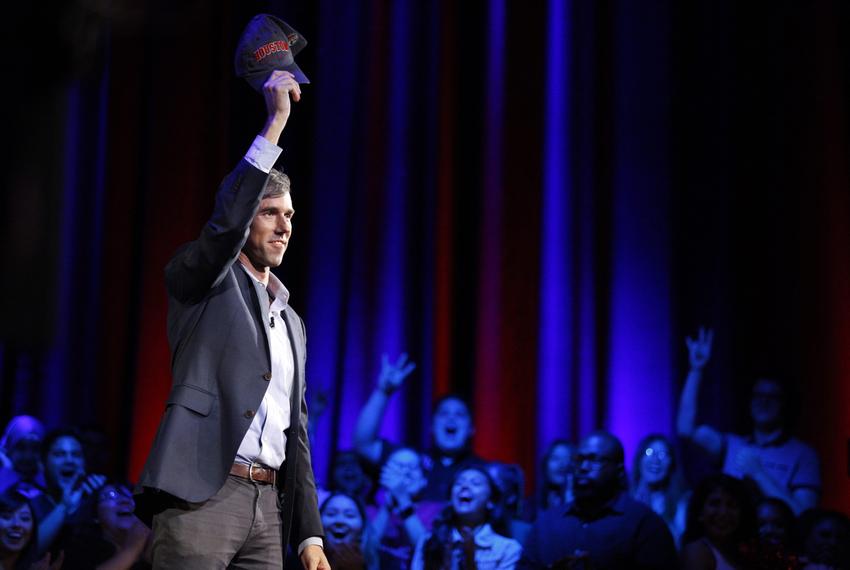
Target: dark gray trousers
239	527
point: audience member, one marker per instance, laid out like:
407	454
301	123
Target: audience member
781	466
773	549
824	539
347	543
464	535
116	540
720	525
18	532
451	429
402	516
775	521
658	483
69	497
603	527
348	476
20	455
510	481
555	479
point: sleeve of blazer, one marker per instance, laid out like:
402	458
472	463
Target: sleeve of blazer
201	265
306	520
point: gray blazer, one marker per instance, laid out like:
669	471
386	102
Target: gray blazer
221	368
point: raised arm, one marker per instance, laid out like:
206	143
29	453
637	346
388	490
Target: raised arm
201	265
708	438
392	376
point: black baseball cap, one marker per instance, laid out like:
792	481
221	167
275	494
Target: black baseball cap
268	43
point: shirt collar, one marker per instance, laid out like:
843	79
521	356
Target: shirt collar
275	287
484	536
779	439
615	505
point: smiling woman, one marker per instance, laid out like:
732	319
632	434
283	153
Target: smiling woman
464	535
346	537
116	540
17	530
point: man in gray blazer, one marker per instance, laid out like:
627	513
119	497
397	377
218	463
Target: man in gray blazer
229	481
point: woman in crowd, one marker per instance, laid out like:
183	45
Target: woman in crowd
349	477
720	525
347	543
463	536
824	539
510	481
555	483
116	540
17	531
402	517
658	483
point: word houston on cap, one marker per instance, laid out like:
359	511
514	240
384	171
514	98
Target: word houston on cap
270	48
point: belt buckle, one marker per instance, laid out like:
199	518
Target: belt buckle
251	472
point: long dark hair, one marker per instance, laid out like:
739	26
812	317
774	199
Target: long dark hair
438	547
738	491
10	501
544	486
674	484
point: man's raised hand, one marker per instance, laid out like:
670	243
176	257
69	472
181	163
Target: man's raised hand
278	89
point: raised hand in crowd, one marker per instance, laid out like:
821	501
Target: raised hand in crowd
699	349
393	374
699	353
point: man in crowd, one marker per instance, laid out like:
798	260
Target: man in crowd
780	465
603	527
451	429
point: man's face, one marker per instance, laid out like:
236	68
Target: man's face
597	470
348	475
766	404
772	526
65	462
452	426
270	232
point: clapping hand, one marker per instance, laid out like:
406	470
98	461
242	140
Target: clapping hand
699	349
44	562
392	375
73	490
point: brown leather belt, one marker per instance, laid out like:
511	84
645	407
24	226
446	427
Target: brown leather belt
255	472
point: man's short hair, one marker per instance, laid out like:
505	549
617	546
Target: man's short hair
277	184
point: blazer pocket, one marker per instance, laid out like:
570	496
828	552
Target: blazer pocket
198	400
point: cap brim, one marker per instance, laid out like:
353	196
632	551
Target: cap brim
257	80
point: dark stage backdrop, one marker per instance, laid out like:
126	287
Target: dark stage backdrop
536	200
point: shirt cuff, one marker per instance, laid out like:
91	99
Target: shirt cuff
314	540
263	154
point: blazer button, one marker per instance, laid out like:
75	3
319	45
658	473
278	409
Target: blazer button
249	414
267	376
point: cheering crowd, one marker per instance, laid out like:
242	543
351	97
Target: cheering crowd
392	507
